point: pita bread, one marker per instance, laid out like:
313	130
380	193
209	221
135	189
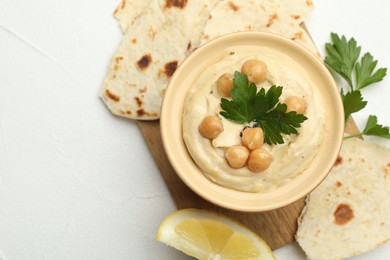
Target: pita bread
348	214
152	48
296	9
128	10
257	15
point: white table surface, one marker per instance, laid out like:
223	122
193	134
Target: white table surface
79	183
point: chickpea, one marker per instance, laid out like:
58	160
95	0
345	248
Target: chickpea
296	104
225	84
210	127
256	70
259	160
252	138
237	156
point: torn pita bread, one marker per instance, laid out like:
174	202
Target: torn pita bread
254	15
152	48
128	10
349	213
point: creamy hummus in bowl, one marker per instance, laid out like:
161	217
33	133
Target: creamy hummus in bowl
299	163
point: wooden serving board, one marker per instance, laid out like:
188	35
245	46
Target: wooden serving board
277	227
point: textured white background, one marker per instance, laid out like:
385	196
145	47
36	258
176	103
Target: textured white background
79	183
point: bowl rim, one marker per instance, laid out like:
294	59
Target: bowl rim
246	204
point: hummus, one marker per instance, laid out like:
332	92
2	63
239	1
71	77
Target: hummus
290	158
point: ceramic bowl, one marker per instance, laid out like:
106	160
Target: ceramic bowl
185	167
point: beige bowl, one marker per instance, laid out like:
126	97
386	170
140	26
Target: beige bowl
185	167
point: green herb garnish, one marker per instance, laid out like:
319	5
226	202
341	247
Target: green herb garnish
373	128
342	56
262	107
352	102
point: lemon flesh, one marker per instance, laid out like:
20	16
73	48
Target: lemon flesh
207	235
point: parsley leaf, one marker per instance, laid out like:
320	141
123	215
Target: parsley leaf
278	121
364	71
342	56
239	109
352	102
262	107
373	128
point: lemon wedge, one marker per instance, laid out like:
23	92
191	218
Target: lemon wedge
208	235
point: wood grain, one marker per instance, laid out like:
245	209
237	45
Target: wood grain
277	227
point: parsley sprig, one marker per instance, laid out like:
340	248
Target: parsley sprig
262	107
342	56
373	128
352	102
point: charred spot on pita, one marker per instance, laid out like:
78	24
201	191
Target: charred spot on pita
343	214
112	96
143	90
176	3
170	68
126	112
144	62
138	101
117	61
298	35
271	19
338	161
141	112
233	6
